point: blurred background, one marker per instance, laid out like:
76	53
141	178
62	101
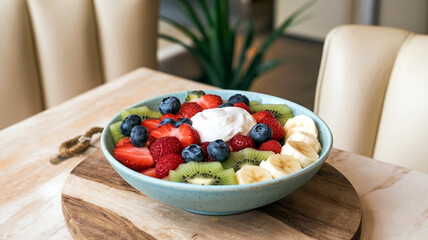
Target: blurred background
53	50
302	45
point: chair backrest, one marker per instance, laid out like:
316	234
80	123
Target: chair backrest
372	91
52	50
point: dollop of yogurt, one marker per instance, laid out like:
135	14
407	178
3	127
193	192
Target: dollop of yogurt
222	123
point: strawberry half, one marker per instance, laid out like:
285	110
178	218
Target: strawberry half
167	163
209	101
185	133
278	131
230	146
151	124
170	115
242	105
123	142
271	145
240	142
135	158
263	114
204	146
164	146
189	109
151	172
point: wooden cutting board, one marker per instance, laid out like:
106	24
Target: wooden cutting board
98	204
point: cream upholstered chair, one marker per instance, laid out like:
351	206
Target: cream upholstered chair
373	92
52	50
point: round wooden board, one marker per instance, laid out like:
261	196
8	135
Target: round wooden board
98	204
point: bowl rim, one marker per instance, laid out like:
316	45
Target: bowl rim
119	167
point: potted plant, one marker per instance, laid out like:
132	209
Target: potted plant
213	44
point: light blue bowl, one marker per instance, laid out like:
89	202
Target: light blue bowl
226	199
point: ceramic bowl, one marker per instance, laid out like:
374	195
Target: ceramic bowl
226	199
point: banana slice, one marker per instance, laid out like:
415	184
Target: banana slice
300	150
281	165
301	129
301	121
252	174
307	138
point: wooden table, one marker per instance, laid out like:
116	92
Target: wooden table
394	199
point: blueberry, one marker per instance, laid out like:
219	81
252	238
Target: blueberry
166	121
218	150
225	105
183	120
139	136
260	133
193	153
128	123
169	105
238	98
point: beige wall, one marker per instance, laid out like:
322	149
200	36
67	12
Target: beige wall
411	15
324	15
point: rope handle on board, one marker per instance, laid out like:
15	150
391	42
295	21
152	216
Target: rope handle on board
75	145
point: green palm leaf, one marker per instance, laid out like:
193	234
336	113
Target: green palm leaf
206	64
207	13
280	30
214	44
193	17
263	68
247	44
249	76
201	45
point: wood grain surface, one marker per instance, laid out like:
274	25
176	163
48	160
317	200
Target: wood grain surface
30	186
98	204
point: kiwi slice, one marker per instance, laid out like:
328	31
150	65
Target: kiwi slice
247	156
252	103
280	111
203	173
115	132
144	112
193	95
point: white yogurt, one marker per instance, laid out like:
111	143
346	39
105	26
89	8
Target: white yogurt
222	123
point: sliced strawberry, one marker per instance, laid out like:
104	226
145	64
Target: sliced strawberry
166	130
230	146
185	133
170	115
271	145
123	142
151	124
164	146
189	109
240	142
204	146
263	114
242	105
209	101
151	172
278	131
151	141
136	158
167	163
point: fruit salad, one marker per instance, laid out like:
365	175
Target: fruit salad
208	140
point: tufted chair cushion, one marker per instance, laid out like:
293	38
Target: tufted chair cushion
372	91
52	50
